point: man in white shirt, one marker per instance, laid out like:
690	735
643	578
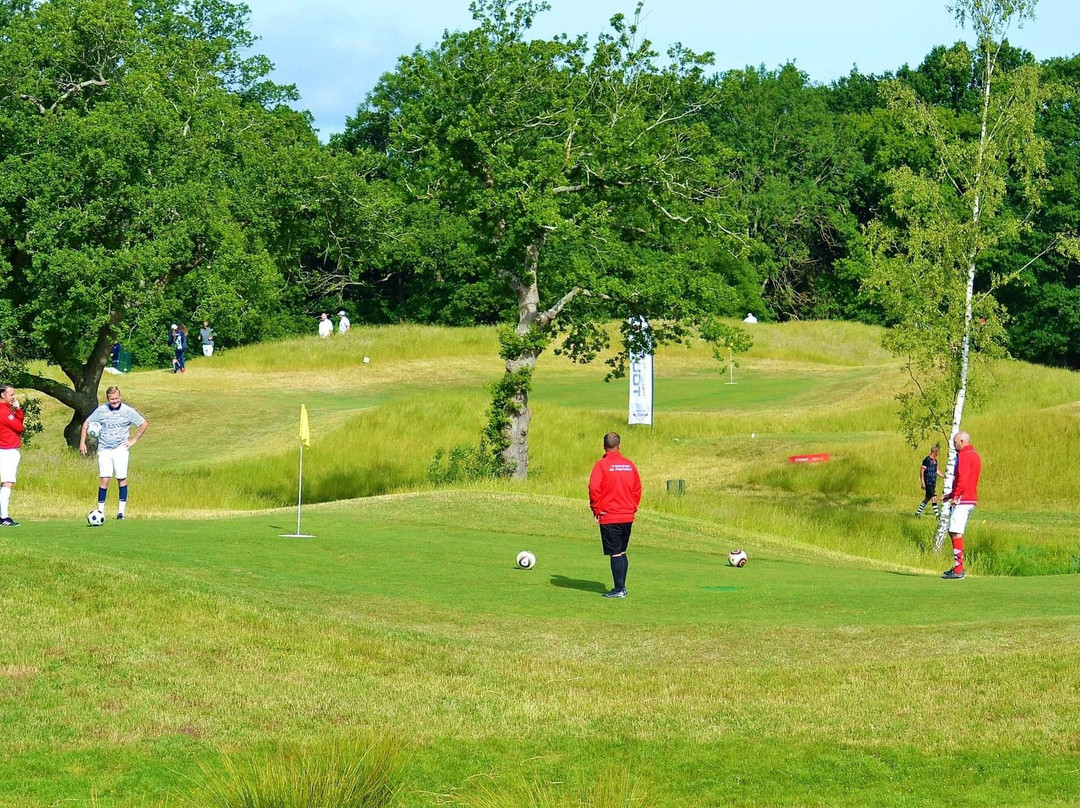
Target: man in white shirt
343	324
116	419
326	326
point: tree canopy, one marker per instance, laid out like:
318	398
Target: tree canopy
585	175
135	144
151	173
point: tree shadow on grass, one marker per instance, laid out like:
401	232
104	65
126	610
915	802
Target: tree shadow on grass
563	582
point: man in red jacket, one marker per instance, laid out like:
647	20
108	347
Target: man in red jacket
11	427
614	496
964	497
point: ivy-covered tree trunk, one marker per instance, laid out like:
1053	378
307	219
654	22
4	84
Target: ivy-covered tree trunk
521	347
515	455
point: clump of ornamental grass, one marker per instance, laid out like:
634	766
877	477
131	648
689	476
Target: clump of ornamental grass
365	773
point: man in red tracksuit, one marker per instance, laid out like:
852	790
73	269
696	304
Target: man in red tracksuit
11	428
964	497
614	496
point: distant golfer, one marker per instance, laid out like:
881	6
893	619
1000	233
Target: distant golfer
11	428
928	482
343	324
116	419
964	497
326	326
614	496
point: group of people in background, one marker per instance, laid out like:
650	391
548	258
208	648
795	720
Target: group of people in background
178	341
326	325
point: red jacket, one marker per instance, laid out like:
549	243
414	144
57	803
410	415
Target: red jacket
11	426
614	489
965	490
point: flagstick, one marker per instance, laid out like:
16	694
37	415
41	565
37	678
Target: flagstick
300	491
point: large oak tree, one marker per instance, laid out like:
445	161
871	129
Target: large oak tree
135	144
590	183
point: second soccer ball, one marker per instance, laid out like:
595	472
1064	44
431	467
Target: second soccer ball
737	558
526	560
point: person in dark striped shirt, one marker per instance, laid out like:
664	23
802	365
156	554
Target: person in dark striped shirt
928	482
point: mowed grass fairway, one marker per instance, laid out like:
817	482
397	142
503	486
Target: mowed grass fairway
835	669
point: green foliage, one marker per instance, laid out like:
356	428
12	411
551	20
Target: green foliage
513	345
1044	298
135	147
32	424
586	179
929	271
341	774
465	464
794	166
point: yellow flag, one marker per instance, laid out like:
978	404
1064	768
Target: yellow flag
305	433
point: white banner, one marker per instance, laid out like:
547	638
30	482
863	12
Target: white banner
641	380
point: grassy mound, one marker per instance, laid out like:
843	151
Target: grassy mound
222	438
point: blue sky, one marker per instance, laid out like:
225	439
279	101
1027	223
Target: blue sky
335	50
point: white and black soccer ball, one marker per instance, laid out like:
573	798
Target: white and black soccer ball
93	429
95	518
737	558
526	560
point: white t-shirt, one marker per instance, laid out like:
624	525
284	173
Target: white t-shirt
115	424
326	327
343	324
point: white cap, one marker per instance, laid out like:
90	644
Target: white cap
341	313
172	327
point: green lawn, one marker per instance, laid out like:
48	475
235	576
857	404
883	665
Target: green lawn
835	669
135	651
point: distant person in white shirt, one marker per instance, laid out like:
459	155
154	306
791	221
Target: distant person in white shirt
326	326
343	324
206	337
750	318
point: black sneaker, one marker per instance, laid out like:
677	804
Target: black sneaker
119	516
952	575
8	522
615	593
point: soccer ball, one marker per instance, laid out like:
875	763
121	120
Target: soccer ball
526	560
95	518
93	429
737	558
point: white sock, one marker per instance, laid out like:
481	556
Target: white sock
123	506
5	498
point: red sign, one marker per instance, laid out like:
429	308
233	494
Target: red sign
810	458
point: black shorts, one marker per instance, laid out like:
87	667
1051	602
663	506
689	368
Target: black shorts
615	537
930	490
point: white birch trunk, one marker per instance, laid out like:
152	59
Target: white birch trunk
965	344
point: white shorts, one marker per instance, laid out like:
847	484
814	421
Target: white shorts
959	517
113	462
9	465
208	350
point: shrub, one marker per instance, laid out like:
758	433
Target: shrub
464	464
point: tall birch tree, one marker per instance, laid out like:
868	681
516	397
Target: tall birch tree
929	250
